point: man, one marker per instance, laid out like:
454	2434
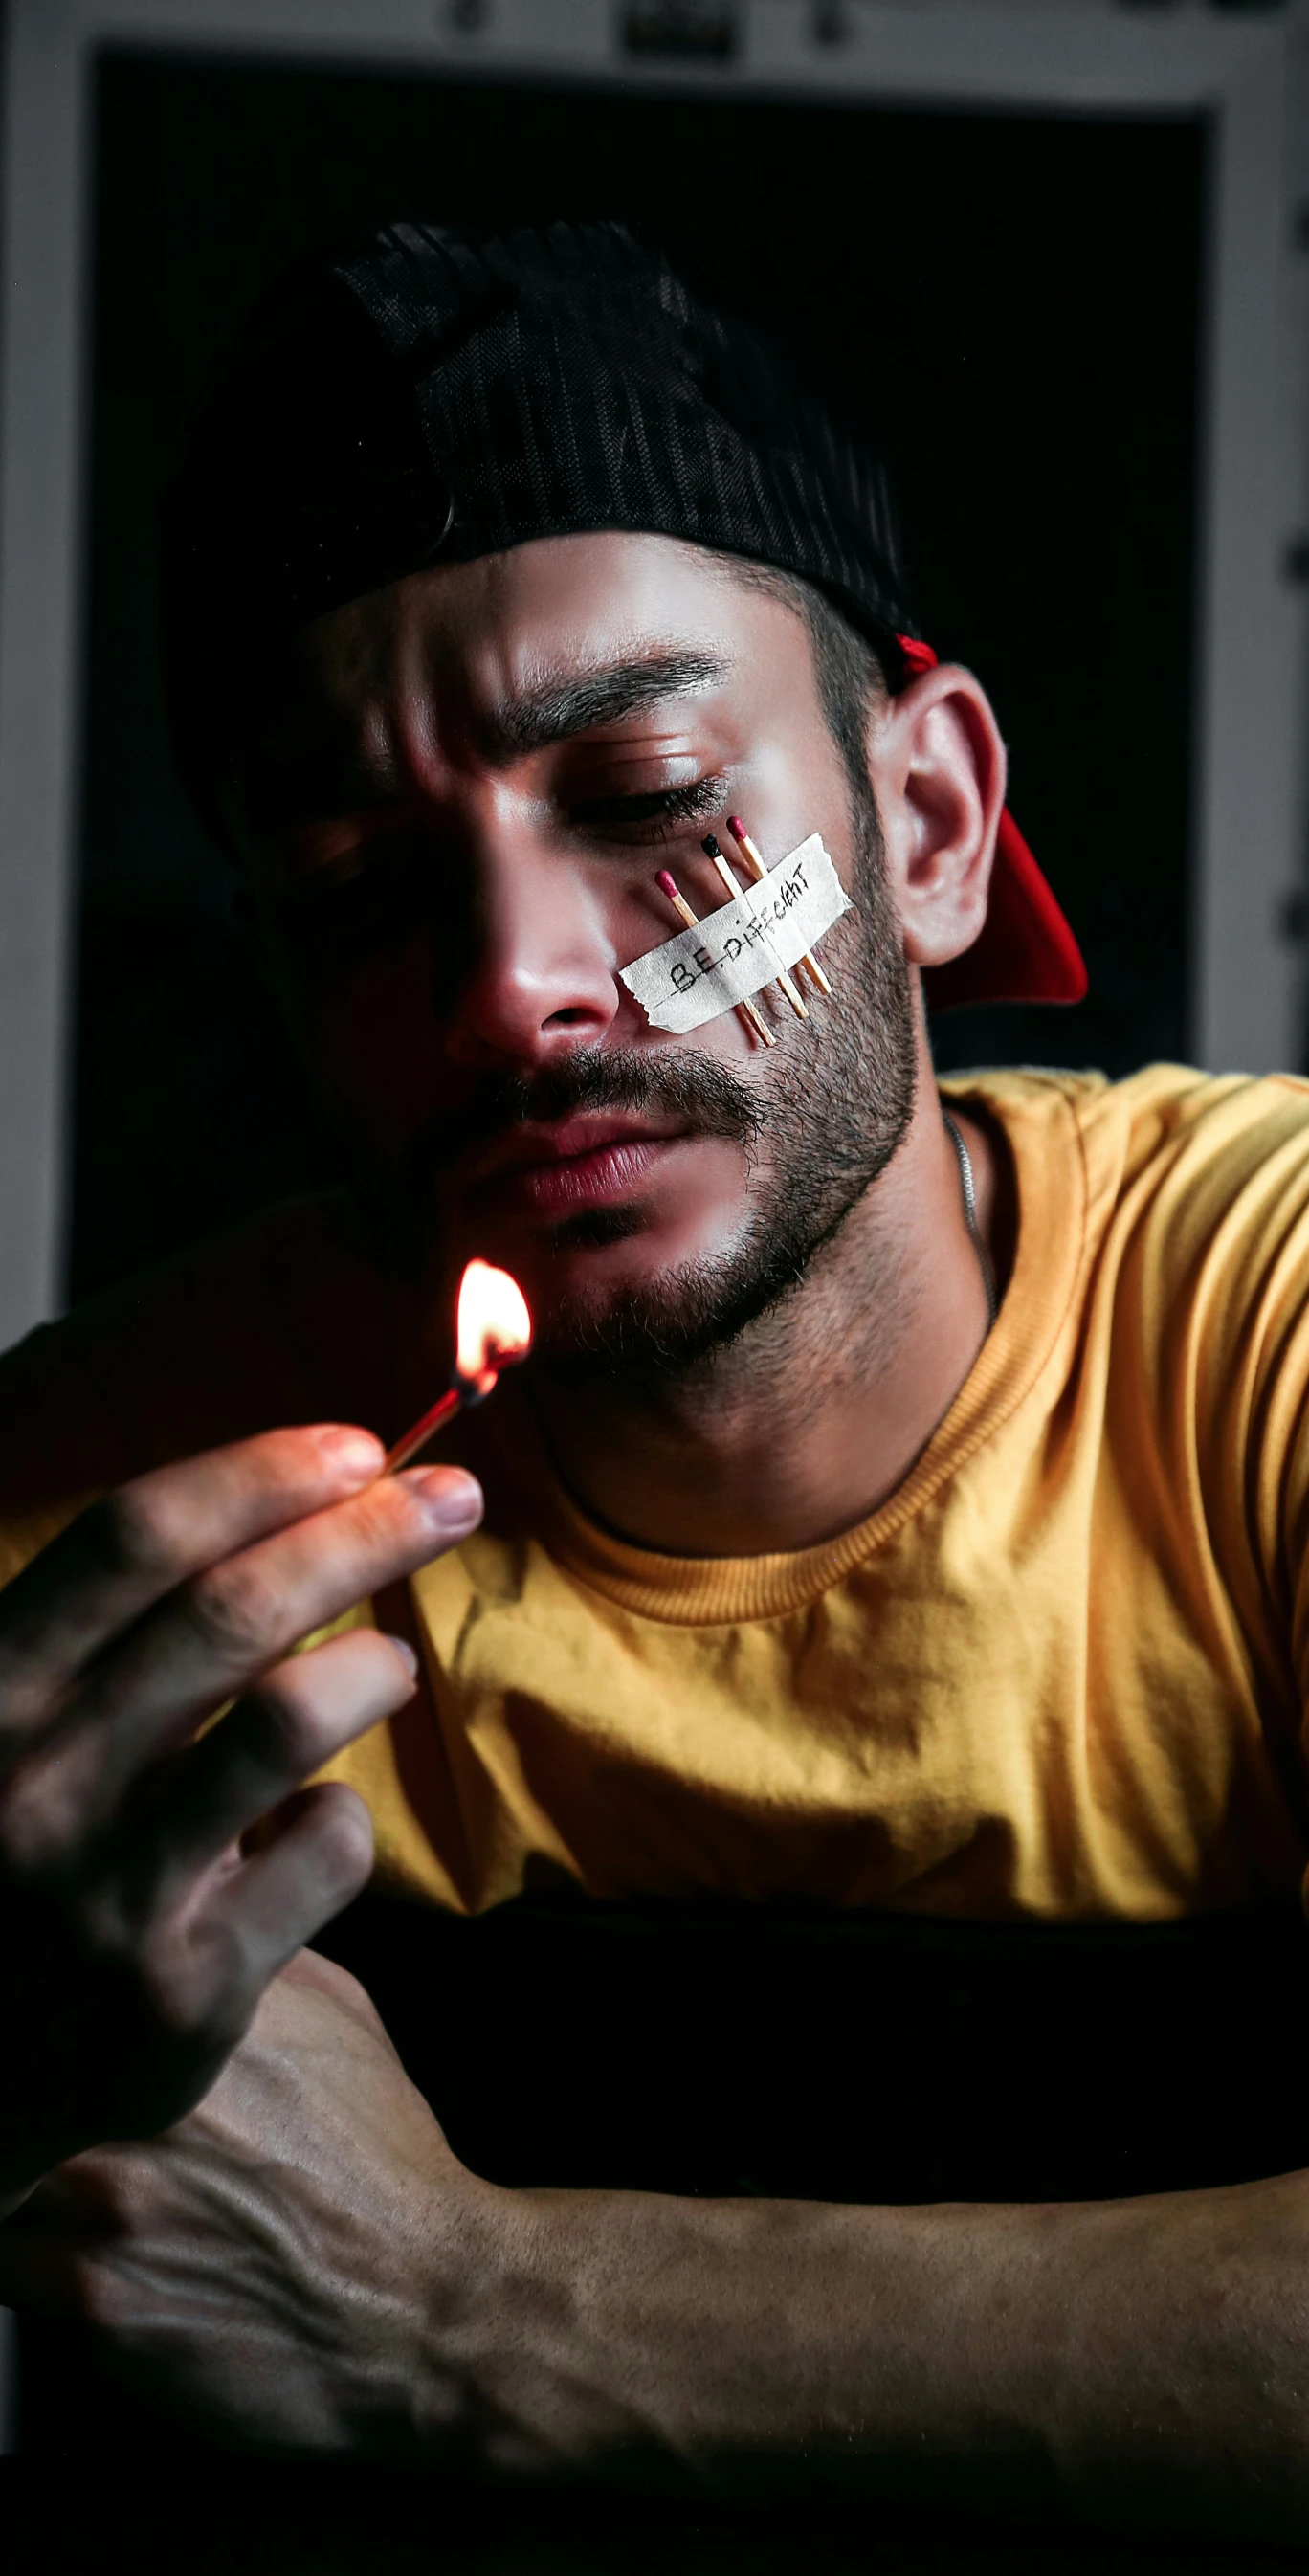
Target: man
901	1520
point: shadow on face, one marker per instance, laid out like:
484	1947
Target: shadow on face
455	811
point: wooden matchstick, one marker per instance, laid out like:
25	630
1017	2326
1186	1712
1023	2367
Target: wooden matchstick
782	981
757	870
443	1411
691	921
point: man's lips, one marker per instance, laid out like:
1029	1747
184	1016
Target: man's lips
572	1164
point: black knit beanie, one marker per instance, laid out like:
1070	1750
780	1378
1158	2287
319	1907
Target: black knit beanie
442	395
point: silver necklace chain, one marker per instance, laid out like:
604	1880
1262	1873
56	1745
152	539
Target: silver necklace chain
984	1262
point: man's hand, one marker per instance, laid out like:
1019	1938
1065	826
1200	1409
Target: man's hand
140	1917
284	2263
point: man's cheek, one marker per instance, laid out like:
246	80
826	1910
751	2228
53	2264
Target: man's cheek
371	1036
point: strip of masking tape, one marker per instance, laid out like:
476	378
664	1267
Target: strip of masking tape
735	951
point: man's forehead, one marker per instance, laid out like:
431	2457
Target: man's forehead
501	658
505	718
511	629
517	652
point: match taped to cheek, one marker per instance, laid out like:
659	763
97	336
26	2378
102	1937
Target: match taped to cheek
745	945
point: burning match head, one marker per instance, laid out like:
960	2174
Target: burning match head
493	1329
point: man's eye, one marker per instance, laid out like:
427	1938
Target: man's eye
653	816
365	903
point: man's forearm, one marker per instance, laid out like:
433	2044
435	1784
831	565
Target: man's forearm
1107	2359
301	2261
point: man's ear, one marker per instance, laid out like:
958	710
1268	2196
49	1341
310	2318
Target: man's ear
938	770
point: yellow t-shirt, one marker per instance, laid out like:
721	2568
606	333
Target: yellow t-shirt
1061	1672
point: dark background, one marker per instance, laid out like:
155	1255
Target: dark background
1012	306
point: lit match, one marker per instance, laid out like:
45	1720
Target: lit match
493	1331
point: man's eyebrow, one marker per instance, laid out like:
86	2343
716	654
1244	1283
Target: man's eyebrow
317	785
319	782
559	709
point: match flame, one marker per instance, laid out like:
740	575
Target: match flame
494	1327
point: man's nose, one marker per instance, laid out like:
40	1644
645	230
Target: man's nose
540	974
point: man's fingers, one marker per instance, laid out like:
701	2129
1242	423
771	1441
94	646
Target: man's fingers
303	1712
322	1856
222	1632
125	1553
209	1641
210	1959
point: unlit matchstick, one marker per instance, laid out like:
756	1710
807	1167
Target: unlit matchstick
757	870
782	981
691	921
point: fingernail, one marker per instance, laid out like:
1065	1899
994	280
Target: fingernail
451	1500
403	1647
350	1453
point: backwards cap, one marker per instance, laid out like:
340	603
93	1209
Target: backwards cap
442	395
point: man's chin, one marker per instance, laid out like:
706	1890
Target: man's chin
618	1312
596	1265
608	1289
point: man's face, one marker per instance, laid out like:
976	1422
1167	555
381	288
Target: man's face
457	811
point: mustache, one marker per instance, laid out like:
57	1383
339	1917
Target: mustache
691	1087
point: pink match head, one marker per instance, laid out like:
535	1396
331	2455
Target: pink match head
735	824
665	882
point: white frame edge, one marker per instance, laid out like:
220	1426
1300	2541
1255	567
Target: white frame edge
1070	56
